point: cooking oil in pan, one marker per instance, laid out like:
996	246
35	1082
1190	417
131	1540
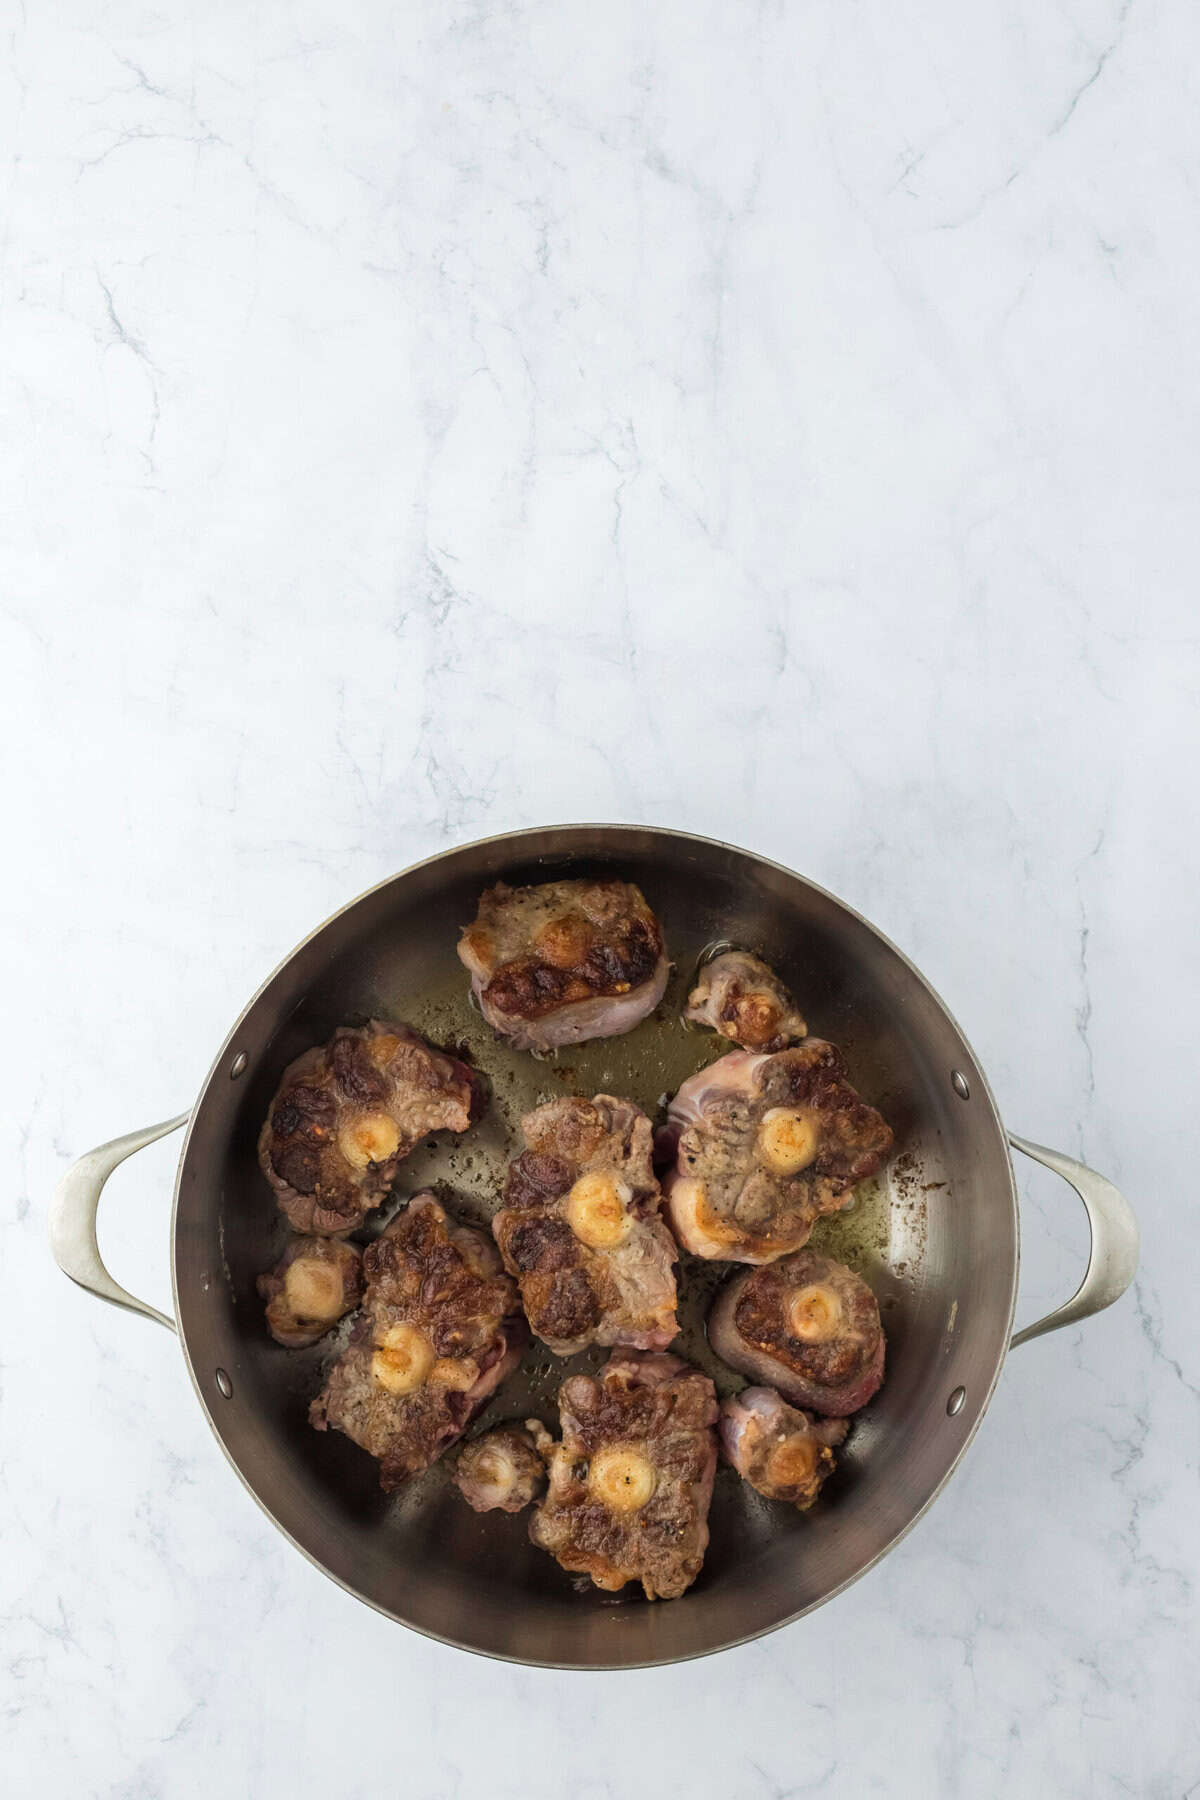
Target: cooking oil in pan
861	1234
646	1065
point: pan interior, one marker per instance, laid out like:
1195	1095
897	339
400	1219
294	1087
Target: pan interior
934	1236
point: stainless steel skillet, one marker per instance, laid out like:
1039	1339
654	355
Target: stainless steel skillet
937	1237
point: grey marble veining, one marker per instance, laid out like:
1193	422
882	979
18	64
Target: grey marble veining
777	421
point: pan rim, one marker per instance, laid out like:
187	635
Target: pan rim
980	1086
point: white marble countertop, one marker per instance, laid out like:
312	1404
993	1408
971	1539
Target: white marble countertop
777	422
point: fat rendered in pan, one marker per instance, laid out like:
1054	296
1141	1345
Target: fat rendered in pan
936	1236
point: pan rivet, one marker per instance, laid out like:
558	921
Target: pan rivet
238	1065
955	1403
958	1082
224	1383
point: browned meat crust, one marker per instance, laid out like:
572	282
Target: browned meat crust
588	1170
738	995
316	1282
501	1471
724	1197
836	1365
594	947
440	1329
631	1481
348	1112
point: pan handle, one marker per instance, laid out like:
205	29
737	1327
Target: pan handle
73	1218
1113	1260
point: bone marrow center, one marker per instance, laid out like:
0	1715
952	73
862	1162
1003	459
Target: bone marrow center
313	1289
814	1313
596	1211
370	1138
495	1474
793	1463
622	1479
403	1359
787	1140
